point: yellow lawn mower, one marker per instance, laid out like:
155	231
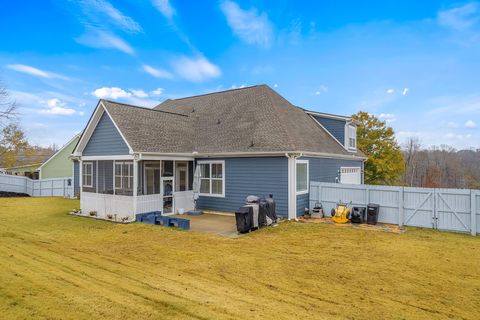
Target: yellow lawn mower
341	214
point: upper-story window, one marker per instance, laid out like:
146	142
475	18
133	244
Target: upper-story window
351	137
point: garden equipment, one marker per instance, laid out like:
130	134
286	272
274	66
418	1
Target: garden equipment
317	211
342	213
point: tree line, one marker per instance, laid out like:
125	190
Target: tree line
15	149
412	165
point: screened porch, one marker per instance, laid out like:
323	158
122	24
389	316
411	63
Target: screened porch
123	188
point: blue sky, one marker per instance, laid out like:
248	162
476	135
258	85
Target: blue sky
414	64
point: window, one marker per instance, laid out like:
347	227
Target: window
302	176
351	137
87	174
124	175
212	181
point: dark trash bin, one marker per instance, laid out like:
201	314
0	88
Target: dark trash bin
358	215
244	219
372	213
271	213
262	213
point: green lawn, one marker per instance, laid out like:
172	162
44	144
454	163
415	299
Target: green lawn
57	266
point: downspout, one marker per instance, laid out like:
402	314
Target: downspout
292	184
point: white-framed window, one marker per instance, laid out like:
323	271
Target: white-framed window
302	172
351	137
124	175
212	181
87	174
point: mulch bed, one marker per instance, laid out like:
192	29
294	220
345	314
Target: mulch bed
5	194
378	227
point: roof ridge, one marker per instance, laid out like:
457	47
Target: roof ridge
145	108
218	92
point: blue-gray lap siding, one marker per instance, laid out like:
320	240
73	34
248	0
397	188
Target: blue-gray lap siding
335	127
323	170
105	140
251	176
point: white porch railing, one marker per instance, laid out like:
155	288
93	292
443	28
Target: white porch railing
105	204
123	206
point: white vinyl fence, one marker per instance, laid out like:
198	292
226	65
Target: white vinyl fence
58	187
443	209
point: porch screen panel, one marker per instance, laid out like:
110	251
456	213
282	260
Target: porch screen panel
105	176
152	177
191	171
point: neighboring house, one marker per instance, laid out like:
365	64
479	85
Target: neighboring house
28	170
245	141
60	165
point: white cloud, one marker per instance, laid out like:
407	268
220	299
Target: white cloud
470	124
118	18
387	117
164	7
195	69
459	18
455	136
97	38
111	93
321	89
452	124
157	73
275	85
157	92
57	107
234	86
139	93
390	91
251	26
35	71
405	91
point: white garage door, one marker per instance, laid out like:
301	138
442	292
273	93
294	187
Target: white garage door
350	175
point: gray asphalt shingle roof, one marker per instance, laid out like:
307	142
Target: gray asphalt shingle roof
252	119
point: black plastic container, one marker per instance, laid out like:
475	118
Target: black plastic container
244	219
271	213
358	215
372	213
262	213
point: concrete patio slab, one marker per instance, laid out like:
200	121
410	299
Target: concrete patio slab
220	224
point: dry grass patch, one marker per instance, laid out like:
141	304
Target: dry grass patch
57	266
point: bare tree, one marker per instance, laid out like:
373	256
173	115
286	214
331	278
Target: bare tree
412	149
8	107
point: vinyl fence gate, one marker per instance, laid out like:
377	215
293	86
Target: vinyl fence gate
443	209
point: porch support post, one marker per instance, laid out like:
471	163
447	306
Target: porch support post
80	176
135	186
